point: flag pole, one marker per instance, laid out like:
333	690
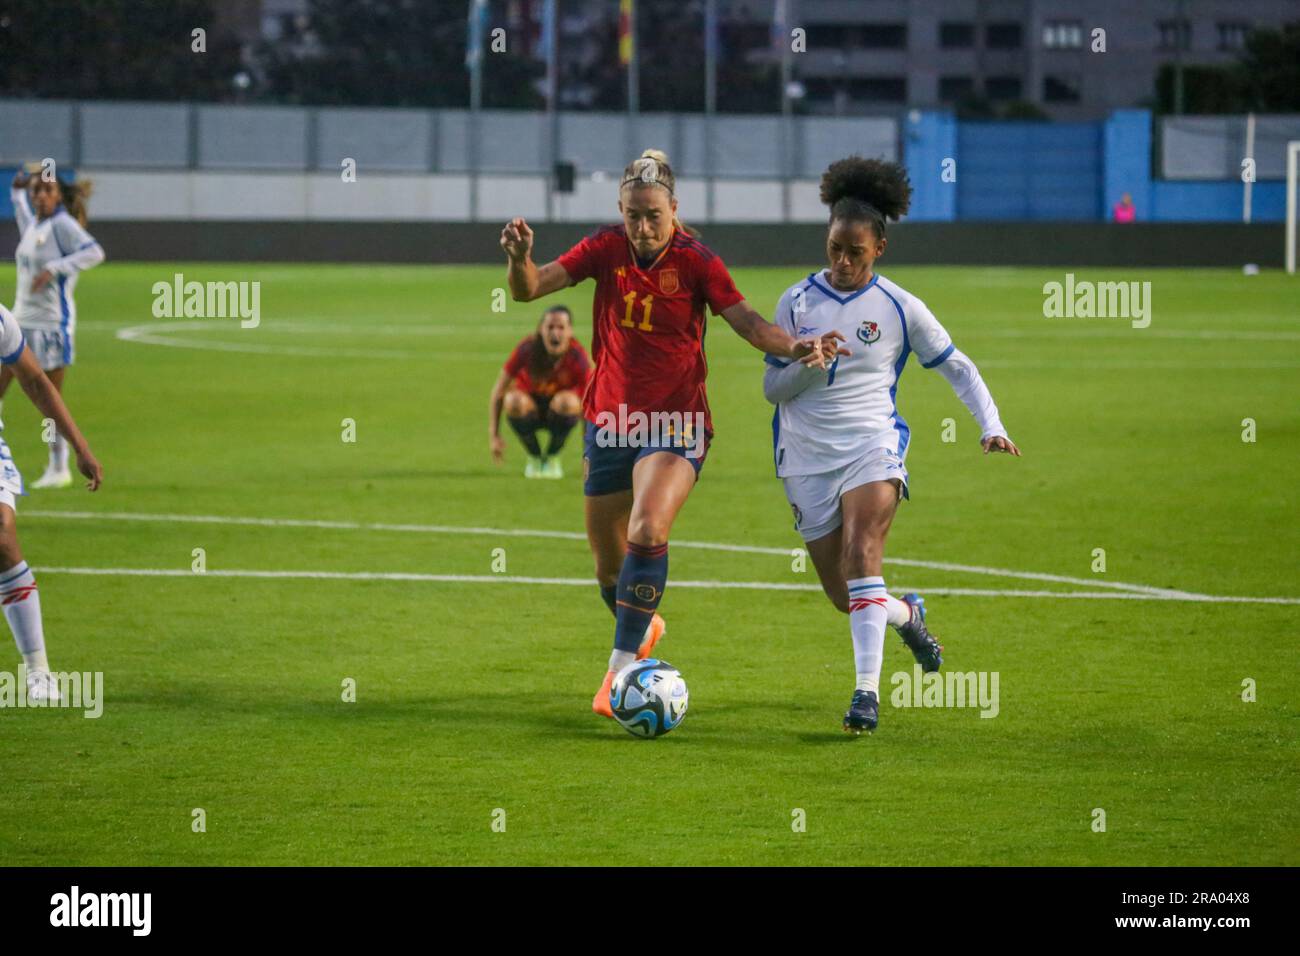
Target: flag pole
781	13
550	41
474	60
630	57
710	99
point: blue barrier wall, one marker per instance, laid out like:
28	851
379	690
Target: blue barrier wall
1029	171
929	141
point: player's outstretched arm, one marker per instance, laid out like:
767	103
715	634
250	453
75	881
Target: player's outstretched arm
47	399
774	340
967	382
526	280
783	381
18	196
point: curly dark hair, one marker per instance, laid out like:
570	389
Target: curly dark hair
866	190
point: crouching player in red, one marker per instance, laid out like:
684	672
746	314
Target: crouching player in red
648	426
541	387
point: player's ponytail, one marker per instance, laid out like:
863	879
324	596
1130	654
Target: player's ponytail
75	197
652	168
866	190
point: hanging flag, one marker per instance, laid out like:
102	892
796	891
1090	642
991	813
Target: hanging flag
476	32
625	15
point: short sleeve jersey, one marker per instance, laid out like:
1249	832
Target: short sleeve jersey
648	322
854	408
570	372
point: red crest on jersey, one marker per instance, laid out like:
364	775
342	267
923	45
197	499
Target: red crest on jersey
668	281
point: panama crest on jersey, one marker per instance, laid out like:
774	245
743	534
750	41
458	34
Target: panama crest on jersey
668	281
869	332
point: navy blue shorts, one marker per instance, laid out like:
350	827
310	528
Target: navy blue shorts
607	469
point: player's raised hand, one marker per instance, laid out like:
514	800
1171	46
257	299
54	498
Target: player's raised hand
20	179
1000	443
517	239
89	466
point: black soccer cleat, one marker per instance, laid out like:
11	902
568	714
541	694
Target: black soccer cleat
927	651
863	713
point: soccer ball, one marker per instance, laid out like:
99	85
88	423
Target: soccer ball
648	698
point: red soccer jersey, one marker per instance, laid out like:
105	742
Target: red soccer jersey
571	371
647	330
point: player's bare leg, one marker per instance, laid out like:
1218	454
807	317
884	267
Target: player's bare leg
22	609
57	473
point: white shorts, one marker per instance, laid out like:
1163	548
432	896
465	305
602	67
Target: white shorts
53	348
815	499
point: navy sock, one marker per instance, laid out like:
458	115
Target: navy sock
526	429
559	426
640	586
607	594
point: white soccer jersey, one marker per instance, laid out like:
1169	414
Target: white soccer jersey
61	245
11	337
851	409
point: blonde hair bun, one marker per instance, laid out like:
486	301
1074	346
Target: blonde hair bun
658	155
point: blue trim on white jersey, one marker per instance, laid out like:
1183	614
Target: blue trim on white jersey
16	353
943	357
776	436
900	425
775	362
66	320
842	300
55	233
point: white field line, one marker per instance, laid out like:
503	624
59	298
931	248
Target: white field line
154	334
586	583
1139	590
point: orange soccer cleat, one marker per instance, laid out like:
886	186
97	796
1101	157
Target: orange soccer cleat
600	703
653	633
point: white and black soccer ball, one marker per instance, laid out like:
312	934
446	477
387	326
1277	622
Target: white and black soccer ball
648	698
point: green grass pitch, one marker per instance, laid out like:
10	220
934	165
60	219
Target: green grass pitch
225	692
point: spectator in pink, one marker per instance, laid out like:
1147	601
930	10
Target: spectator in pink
1124	210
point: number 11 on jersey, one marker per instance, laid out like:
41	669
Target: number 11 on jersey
630	299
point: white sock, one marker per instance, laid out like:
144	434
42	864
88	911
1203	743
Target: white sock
867	611
899	612
59	453
620	659
22	607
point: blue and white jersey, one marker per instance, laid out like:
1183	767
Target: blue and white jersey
11	337
11	347
851	409
61	245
